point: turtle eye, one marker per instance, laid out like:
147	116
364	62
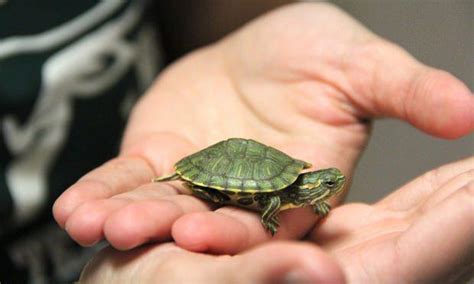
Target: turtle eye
329	183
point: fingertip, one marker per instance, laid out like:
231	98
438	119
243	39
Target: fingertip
86	223
391	83
60	213
439	104
449	105
75	196
140	222
210	232
65	204
190	232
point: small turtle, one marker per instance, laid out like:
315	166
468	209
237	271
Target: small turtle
248	174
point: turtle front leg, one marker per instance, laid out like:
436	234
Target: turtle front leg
322	208
269	214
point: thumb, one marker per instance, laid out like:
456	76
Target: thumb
397	85
286	262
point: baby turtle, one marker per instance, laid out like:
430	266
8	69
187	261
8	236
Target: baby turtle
249	174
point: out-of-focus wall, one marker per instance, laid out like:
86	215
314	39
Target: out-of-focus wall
438	33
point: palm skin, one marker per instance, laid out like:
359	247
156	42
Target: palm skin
304	79
421	233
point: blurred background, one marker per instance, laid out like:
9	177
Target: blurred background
438	33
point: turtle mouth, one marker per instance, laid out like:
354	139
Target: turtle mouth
315	198
341	181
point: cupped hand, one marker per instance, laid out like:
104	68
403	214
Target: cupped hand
277	262
422	233
306	79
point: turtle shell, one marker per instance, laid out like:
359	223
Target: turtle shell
240	165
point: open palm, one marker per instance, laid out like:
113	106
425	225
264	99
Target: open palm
421	233
305	79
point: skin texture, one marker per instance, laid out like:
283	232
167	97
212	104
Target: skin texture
305	79
167	263
396	240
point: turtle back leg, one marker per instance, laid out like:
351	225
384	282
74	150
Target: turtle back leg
269	214
322	208
208	194
173	176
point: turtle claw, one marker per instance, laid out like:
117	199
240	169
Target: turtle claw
271	225
272	229
322	209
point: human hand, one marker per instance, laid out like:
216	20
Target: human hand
421	233
276	262
305	79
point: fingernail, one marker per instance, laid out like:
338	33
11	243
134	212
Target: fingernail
296	277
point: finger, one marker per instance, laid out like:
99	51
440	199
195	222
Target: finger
148	220
270	263
399	86
230	230
114	177
138	164
285	262
343	221
132	218
420	189
448	189
85	224
449	228
113	266
165	263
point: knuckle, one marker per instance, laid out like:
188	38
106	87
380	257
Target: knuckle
432	178
90	206
437	177
465	200
465	178
469	190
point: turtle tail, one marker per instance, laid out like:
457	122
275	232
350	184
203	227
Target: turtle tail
173	176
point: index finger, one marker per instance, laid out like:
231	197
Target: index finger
136	166
114	177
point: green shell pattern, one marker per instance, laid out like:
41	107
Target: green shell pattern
240	165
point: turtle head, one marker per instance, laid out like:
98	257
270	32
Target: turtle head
321	184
